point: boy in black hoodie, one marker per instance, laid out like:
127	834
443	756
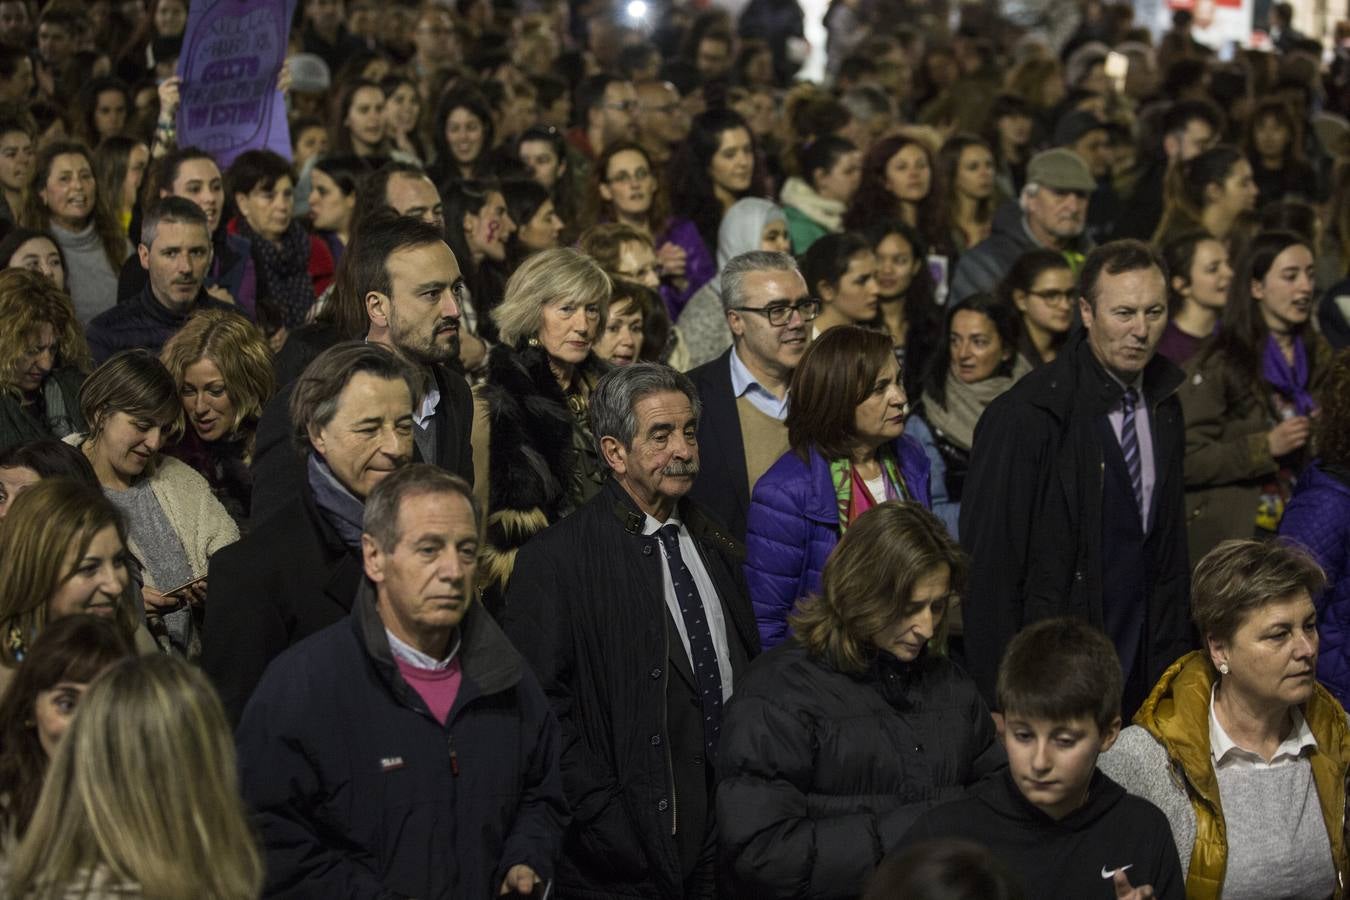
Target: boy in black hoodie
1063	827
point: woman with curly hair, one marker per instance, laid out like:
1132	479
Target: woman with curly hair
1318	517
223	368
44	358
63	199
900	182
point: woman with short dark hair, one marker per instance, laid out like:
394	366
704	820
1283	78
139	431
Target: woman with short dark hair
834	744
848	452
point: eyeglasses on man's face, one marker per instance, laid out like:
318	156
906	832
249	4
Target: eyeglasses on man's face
779	312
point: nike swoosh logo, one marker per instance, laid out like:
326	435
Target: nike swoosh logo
1111	873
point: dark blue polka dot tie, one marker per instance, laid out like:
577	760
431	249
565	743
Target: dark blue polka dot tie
701	649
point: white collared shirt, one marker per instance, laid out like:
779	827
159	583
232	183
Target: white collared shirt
1226	753
430	401
743	384
712	606
416	658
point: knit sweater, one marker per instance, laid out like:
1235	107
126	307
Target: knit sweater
91	280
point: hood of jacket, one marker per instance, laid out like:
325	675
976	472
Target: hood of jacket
1006	802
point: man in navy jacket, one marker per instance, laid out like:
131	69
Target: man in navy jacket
407	751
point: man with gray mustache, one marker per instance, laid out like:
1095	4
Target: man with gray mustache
634	614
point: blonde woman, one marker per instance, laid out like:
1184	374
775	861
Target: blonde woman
533	407
64	547
174	523
222	366
43	358
110	823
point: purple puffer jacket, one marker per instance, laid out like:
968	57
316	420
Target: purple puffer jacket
1318	517
792	526
699	267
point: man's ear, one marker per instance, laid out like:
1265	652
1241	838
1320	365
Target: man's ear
1000	724
1085	312
316	438
377	308
143	253
735	323
615	454
372	558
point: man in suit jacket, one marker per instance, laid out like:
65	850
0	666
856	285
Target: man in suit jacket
1074	503
399	286
744	391
633	613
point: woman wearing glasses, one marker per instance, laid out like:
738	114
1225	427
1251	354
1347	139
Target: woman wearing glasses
1040	286
625	188
848	452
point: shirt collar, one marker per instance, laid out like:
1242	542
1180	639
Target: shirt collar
651	525
430	400
416	658
743	380
1223	748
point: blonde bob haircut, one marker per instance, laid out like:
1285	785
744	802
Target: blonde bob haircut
868	582
47	532
236	347
27	302
543	278
142	794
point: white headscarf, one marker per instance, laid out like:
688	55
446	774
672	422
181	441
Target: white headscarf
742	227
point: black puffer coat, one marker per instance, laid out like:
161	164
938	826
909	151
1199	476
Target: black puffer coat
821	773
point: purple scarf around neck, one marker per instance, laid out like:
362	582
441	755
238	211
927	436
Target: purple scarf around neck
1291	382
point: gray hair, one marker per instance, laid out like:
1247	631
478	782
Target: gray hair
733	274
616	396
172	211
865	102
382	506
314	401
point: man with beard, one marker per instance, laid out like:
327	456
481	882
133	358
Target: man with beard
175	251
634	615
399	286
1053	214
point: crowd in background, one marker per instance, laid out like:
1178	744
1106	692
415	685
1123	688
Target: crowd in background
932	480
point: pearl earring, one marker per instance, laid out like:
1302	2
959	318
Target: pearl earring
1223	668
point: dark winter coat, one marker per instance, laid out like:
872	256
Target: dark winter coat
231	268
821	772
586	606
541	461
1065	857
353	792
1032	511
142	323
794	524
1318	517
18	425
982	267
289	578
279	466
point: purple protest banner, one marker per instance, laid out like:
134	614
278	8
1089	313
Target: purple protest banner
232	51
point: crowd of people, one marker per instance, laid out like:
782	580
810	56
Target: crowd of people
601	463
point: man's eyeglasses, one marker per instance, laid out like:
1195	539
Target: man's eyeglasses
779	314
1054	296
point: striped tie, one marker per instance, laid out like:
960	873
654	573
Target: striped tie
1129	445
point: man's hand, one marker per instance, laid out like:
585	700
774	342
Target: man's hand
521	880
1124	891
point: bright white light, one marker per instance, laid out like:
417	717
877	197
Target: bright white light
637	10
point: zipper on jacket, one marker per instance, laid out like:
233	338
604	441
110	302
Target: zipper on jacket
454	757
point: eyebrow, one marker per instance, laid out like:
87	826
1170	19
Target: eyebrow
431	285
